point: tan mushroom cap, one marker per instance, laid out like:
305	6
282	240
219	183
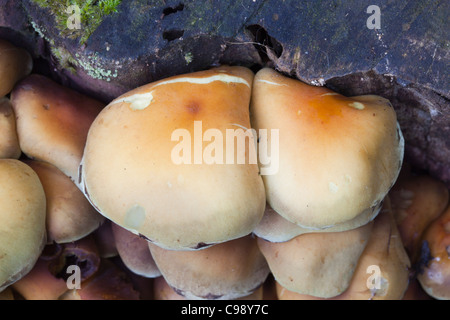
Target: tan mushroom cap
134	252
15	64
317	264
104	238
188	205
108	283
163	291
22	216
40	283
275	228
434	272
70	216
416	201
53	122
385	254
338	156
51	277
9	142
227	270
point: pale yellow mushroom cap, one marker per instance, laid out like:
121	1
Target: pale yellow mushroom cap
317	264
70	216
22	217
338	156
53	122
383	268
131	170
228	270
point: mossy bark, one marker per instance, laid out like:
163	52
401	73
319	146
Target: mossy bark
320	42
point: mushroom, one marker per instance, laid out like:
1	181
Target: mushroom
15	64
182	193
417	200
9	142
109	283
134	252
224	271
434	269
104	238
275	228
338	156
40	283
317	264
54	271
143	285
53	122
70	216
163	291
22	216
382	271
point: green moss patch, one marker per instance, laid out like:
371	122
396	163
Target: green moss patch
91	14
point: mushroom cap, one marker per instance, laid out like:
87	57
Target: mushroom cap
134	252
104	238
15	64
130	175
338	156
40	283
9	142
53	122
108	283
163	291
317	264
434	271
22	216
416	201
70	216
384	253
275	228
227	270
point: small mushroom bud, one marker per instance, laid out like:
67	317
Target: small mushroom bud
417	200
434	268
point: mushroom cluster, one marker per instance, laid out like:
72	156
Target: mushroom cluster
164	193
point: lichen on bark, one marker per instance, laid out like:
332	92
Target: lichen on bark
91	14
